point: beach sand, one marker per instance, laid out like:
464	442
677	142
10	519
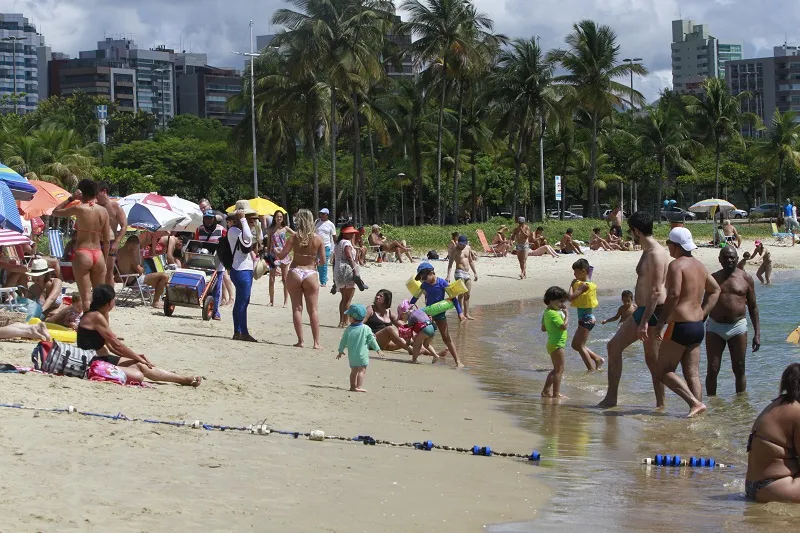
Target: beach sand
72	472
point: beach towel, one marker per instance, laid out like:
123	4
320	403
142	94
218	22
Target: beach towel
105	371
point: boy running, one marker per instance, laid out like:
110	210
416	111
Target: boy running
583	296
434	289
461	255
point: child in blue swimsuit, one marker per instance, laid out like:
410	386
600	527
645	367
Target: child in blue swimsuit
434	289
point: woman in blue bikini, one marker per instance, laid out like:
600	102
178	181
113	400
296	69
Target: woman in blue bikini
773	467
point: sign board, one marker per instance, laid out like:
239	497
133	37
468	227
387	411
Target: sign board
102	112
558	188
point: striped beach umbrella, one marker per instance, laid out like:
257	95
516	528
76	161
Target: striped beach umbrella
12	238
704	206
9	213
19	186
192	218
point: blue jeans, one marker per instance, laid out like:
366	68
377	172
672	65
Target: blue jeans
218	292
243	281
323	268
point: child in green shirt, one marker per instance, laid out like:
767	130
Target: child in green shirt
358	339
554	323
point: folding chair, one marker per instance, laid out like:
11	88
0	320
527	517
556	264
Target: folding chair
780	237
380	255
157	263
489	249
132	289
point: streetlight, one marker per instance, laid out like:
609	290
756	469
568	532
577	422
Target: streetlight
631	62
14	41
161	72
252	57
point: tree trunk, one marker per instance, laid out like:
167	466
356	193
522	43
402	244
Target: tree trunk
780	180
662	164
564	186
358	174
376	211
418	207
473	162
439	145
333	155
716	172
518	163
592	207
457	170
315	166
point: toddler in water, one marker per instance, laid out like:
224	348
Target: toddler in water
358	339
625	310
69	316
583	295
555	323
434	289
417	332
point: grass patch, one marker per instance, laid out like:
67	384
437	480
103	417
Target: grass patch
431	237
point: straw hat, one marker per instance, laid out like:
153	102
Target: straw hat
260	269
39	268
502	228
244	205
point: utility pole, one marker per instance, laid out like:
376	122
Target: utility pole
252	55
14	41
631	62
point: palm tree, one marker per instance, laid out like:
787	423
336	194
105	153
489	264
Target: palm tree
527	97
663	136
592	70
446	31
50	154
719	117
781	146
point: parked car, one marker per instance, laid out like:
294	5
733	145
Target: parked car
766	210
676	214
735	213
568	215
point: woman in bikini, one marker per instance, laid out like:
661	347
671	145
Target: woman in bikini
303	280
278	233
773	467
91	239
94	333
383	322
344	270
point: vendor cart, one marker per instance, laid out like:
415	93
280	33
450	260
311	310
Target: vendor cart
194	285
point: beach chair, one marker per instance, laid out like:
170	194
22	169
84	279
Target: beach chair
489	249
157	263
56	242
780	237
132	290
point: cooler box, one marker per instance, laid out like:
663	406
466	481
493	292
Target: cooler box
186	287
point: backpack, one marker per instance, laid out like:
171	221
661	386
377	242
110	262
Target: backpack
225	254
433	255
62	359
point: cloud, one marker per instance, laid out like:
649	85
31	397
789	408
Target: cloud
215	27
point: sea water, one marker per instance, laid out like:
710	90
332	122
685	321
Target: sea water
591	457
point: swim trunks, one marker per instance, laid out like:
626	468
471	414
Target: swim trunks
616	230
727	331
523	247
685	333
751	488
565	252
463	274
652	321
586	318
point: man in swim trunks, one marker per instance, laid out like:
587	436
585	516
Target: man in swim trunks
117	222
461	255
685	310
568	245
520	236
615	221
727	323
129	261
649	296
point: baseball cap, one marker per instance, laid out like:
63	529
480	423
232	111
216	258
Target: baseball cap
462	239
520	219
357	311
324	211
758	242
209	213
424	266
682	237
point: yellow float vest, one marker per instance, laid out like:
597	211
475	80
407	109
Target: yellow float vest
587	300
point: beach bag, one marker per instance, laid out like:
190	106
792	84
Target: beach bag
433	255
54	357
105	371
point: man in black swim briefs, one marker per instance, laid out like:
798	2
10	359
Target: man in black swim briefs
649	297
685	311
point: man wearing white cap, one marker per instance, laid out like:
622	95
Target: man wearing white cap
327	231
685	312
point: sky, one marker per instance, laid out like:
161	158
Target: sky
217	27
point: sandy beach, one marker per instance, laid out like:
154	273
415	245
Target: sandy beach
70	472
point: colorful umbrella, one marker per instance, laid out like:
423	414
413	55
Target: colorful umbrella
264	206
711	204
12	238
19	186
9	214
47	197
190	211
151	217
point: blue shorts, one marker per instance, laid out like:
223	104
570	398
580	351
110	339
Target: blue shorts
638	315
586	318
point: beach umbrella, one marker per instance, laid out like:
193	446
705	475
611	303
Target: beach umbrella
19	186
9	213
151	217
189	210
710	205
47	197
263	206
12	238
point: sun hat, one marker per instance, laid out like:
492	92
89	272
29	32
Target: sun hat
260	269
682	237
424	266
375	226
39	268
324	211
244	205
503	228
347	230
462	240
521	220
357	311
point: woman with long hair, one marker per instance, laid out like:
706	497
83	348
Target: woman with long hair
773	464
278	233
384	323
94	333
345	268
303	280
91	239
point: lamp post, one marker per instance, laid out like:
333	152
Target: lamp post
14	41
252	57
631	62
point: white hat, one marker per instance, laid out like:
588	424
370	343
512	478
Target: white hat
324	211
39	268
683	238
260	269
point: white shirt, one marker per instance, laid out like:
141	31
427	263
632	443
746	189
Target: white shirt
241	261
326	230
794	212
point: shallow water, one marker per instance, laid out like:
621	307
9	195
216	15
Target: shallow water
591	457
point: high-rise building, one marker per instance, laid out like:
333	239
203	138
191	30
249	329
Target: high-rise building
109	78
725	53
204	90
694	56
20	46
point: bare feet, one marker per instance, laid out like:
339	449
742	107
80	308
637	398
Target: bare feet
696	410
271	304
40	331
607	402
561	397
600	363
358	390
434	360
158	304
469	317
457	365
318	346
547	394
196	381
298	344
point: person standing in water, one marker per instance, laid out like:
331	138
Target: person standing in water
685	310
649	297
727	323
520	236
461	255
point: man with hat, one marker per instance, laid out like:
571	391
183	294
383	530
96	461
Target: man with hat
692	292
211	231
327	231
461	255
